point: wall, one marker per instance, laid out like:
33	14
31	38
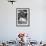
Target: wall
37	28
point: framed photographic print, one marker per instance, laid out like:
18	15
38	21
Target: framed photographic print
22	17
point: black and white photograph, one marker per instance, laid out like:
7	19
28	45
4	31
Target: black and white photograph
22	16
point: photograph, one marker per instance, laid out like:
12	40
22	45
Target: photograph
22	16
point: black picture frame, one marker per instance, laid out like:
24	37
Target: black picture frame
22	17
